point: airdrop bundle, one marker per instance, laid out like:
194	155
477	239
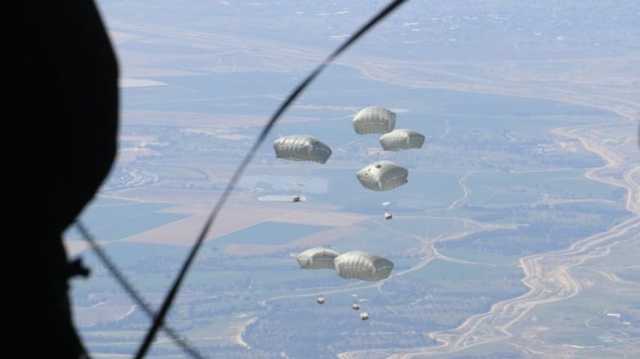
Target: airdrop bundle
385	175
378	176
350	265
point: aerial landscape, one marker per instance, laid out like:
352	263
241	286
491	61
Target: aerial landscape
517	234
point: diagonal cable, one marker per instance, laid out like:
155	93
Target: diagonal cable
131	291
166	305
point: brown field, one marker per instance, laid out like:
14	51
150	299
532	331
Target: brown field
237	217
317	239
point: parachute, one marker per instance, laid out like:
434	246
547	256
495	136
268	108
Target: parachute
361	265
317	258
382	176
374	119
401	139
301	148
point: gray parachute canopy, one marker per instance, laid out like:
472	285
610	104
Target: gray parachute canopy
382	176
301	148
374	119
317	258
401	139
363	266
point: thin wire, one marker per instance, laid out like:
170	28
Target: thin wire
131	291
166	305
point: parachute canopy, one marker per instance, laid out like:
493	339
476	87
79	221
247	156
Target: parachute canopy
361	265
301	148
317	258
374	119
382	176
401	139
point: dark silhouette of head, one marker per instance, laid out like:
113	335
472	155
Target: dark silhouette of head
72	95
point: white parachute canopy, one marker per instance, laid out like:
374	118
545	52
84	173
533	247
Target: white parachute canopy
382	176
301	148
363	266
317	258
401	139
374	119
